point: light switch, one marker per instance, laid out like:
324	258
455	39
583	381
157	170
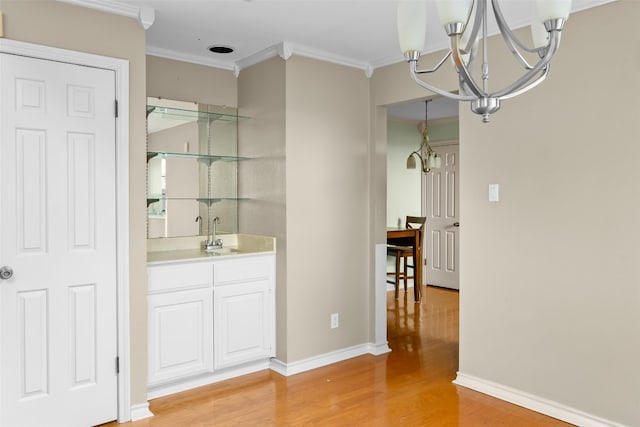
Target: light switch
494	192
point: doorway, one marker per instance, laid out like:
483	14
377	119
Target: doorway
433	194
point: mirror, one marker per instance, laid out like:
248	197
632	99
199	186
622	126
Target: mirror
191	168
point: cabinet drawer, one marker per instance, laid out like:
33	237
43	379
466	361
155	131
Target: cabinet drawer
179	276
243	270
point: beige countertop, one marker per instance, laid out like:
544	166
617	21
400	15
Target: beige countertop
167	250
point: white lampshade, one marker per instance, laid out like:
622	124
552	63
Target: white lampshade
453	11
553	9
438	162
412	25
538	31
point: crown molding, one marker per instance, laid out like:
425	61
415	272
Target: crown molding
286	49
193	59
144	15
283	50
335	59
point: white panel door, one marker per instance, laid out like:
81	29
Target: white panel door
58	336
442	211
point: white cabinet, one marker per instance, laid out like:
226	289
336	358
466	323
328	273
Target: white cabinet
209	317
180	334
244	327
180	321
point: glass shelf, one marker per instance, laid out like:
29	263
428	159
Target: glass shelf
192	166
204	158
181	114
152	199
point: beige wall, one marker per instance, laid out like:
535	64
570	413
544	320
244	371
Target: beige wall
558	316
308	140
327	150
549	280
65	26
183	81
261	96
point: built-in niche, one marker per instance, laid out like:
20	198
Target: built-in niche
192	168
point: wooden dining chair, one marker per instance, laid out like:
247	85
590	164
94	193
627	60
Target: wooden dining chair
403	253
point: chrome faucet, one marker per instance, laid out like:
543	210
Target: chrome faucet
217	242
212	242
199	221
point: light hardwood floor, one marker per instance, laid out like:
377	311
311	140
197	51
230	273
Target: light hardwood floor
411	386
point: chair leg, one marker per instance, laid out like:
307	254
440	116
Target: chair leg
397	274
406	273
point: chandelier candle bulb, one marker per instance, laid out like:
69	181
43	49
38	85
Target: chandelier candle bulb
553	9
539	33
453	11
412	25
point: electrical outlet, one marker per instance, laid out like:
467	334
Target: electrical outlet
335	320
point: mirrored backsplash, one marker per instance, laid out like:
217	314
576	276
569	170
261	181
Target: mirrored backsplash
192	168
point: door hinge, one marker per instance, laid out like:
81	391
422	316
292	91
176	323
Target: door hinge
115	103
117	365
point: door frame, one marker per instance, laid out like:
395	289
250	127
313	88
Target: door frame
120	67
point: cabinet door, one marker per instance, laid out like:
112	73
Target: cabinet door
243	330
180	334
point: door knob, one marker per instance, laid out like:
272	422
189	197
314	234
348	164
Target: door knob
5	272
456	224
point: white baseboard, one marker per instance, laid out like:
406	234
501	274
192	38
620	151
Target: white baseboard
159	390
288	369
535	403
378	349
140	411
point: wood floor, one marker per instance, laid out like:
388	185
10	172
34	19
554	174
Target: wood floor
411	386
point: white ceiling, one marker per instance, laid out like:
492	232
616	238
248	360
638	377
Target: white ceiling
439	108
357	33
362	33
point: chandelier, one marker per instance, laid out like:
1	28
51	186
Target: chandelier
465	22
428	158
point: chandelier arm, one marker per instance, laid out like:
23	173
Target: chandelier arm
472	55
423	163
462	68
554	42
464	87
509	38
412	72
435	68
471	43
506	31
531	85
